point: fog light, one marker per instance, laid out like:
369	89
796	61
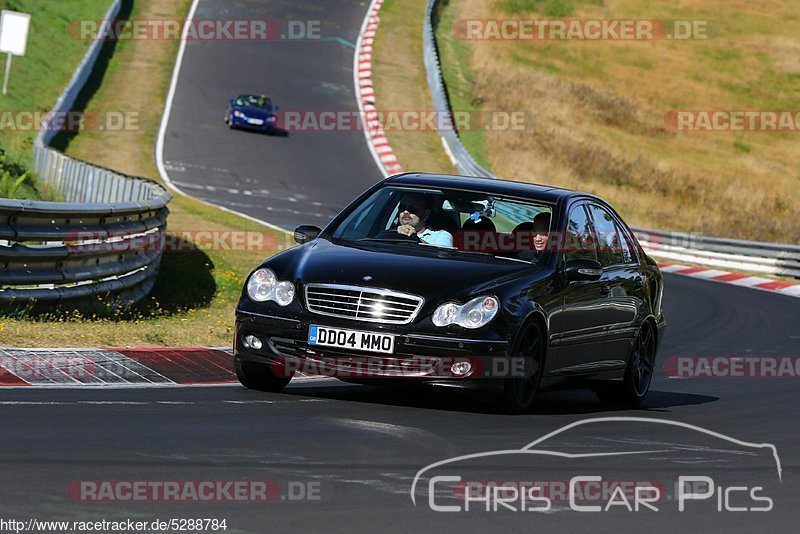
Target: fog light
461	368
252	342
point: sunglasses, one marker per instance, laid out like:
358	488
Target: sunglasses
410	208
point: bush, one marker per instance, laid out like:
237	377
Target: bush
15	180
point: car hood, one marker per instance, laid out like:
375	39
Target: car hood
405	267
256	113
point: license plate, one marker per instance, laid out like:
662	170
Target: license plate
350	339
257	122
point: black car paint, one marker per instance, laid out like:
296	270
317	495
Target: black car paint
590	325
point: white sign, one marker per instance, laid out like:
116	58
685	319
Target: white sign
14	32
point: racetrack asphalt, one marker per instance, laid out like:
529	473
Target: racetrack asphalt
363	445
305	177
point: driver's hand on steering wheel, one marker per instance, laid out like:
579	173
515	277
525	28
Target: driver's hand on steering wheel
406	229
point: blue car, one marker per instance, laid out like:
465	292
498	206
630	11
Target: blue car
252	112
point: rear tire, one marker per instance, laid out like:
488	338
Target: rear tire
259	376
638	374
519	392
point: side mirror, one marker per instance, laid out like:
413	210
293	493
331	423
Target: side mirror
277	108
583	270
304	234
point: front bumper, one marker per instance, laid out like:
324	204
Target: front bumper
417	356
267	126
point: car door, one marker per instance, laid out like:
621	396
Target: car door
620	285
581	318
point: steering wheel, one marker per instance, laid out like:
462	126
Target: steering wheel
394	234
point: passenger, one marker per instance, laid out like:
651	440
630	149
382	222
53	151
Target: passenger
413	214
539	229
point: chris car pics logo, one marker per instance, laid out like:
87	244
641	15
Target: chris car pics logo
658	476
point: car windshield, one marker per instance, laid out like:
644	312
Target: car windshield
252	101
461	221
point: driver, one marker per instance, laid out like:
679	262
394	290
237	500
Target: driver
413	213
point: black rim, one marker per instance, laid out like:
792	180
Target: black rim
529	354
644	352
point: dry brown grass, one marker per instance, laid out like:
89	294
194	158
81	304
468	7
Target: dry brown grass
595	114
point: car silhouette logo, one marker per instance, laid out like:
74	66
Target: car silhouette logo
535	448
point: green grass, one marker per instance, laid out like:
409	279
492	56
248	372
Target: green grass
518	7
460	82
39	77
193	301
558	8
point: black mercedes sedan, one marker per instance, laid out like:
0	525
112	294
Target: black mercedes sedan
500	286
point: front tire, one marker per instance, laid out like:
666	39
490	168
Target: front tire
259	376
638	374
527	360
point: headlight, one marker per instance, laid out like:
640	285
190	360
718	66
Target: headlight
474	314
284	293
238	114
263	285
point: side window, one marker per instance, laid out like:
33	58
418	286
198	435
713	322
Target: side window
579	242
628	256
609	248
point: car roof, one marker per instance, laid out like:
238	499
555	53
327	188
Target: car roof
489	185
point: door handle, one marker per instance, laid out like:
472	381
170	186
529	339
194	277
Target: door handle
638	282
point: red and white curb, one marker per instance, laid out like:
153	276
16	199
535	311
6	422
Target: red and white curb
737	279
86	368
365	94
118	367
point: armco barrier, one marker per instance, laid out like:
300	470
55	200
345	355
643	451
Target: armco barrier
89	245
458	153
770	258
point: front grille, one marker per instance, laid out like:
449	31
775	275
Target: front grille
284	347
362	303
